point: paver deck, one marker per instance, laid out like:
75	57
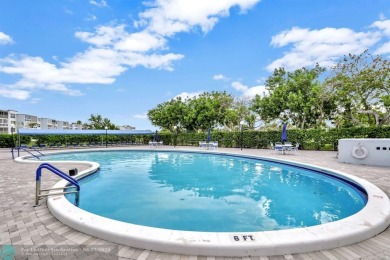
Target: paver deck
35	234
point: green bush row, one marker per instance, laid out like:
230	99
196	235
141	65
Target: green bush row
312	139
88	139
7	140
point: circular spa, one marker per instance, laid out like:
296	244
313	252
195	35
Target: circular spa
219	204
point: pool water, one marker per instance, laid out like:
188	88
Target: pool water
210	192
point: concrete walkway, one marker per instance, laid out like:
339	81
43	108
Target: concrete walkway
29	232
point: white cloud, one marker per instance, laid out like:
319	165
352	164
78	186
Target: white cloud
113	49
219	77
90	17
99	65
188	95
68	11
102	3
35	100
103	35
323	46
5	39
383	49
7	92
141	116
140	42
153	61
168	17
249	92
117	38
383	25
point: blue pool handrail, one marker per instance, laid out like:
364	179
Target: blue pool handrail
27	151
59	173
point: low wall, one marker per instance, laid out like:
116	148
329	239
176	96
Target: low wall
365	151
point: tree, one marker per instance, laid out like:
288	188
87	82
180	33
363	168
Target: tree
297	96
207	110
97	122
362	87
168	114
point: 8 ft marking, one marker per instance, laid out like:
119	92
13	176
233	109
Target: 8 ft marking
244	238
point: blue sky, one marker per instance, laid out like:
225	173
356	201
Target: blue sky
68	59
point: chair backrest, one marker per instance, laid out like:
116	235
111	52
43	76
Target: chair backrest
278	147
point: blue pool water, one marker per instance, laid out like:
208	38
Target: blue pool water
209	192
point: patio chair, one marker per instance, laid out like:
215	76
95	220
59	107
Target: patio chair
295	148
213	145
272	146
288	146
202	144
278	148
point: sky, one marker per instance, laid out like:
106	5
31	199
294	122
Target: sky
68	59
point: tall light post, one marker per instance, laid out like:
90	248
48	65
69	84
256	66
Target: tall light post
175	137
242	122
12	134
106	127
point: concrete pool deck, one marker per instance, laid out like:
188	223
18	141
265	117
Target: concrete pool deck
25	227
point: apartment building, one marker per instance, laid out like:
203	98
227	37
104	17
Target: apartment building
48	123
7	119
10	118
26	121
63	125
126	127
75	126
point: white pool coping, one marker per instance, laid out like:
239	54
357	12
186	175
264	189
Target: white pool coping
368	222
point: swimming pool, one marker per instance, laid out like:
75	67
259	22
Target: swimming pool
211	192
366	223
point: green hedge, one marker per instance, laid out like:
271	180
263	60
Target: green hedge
312	139
6	140
87	139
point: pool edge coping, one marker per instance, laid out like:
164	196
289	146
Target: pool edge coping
370	221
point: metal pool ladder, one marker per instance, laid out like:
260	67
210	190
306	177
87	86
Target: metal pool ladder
38	190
